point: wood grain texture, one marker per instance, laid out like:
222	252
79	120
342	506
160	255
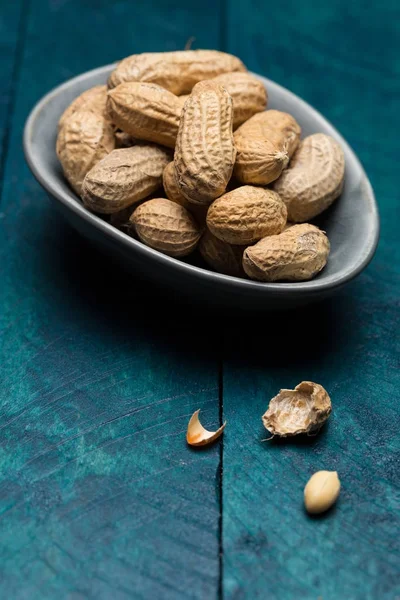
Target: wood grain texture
344	59
99	495
12	29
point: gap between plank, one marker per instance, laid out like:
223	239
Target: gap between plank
221	472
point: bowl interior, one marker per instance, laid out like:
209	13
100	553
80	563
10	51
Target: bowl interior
351	223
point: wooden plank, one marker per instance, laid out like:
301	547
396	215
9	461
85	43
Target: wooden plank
11	39
343	58
99	495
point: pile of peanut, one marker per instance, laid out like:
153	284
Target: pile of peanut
179	150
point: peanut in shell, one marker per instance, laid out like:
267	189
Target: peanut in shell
246	215
176	71
166	226
84	139
205	153
248	94
297	254
124	177
314	178
145	111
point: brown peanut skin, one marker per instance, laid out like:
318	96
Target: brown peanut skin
84	138
145	111
248	94
296	254
124	177
246	215
176	71
166	226
93	99
220	256
204	152
314	178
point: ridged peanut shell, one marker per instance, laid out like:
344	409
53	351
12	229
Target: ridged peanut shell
145	111
314	178
246	215
204	151
221	256
166	226
173	193
302	410
124	177
259	159
296	254
175	71
84	139
272	123
248	94
171	187
93	99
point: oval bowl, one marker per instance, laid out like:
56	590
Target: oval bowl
352	223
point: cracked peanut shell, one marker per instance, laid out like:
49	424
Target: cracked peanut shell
248	94
314	178
221	256
93	99
124	177
145	111
302	410
246	214
204	151
166	226
197	435
176	71
296	254
84	139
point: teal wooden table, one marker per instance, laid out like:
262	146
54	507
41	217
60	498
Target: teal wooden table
99	495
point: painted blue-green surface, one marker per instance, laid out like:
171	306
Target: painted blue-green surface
344	58
11	24
99	495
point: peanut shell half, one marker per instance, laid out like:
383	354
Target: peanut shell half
302	410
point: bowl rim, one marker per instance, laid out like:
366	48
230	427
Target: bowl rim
315	286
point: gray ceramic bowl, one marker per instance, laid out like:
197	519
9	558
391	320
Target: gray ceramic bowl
352	223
